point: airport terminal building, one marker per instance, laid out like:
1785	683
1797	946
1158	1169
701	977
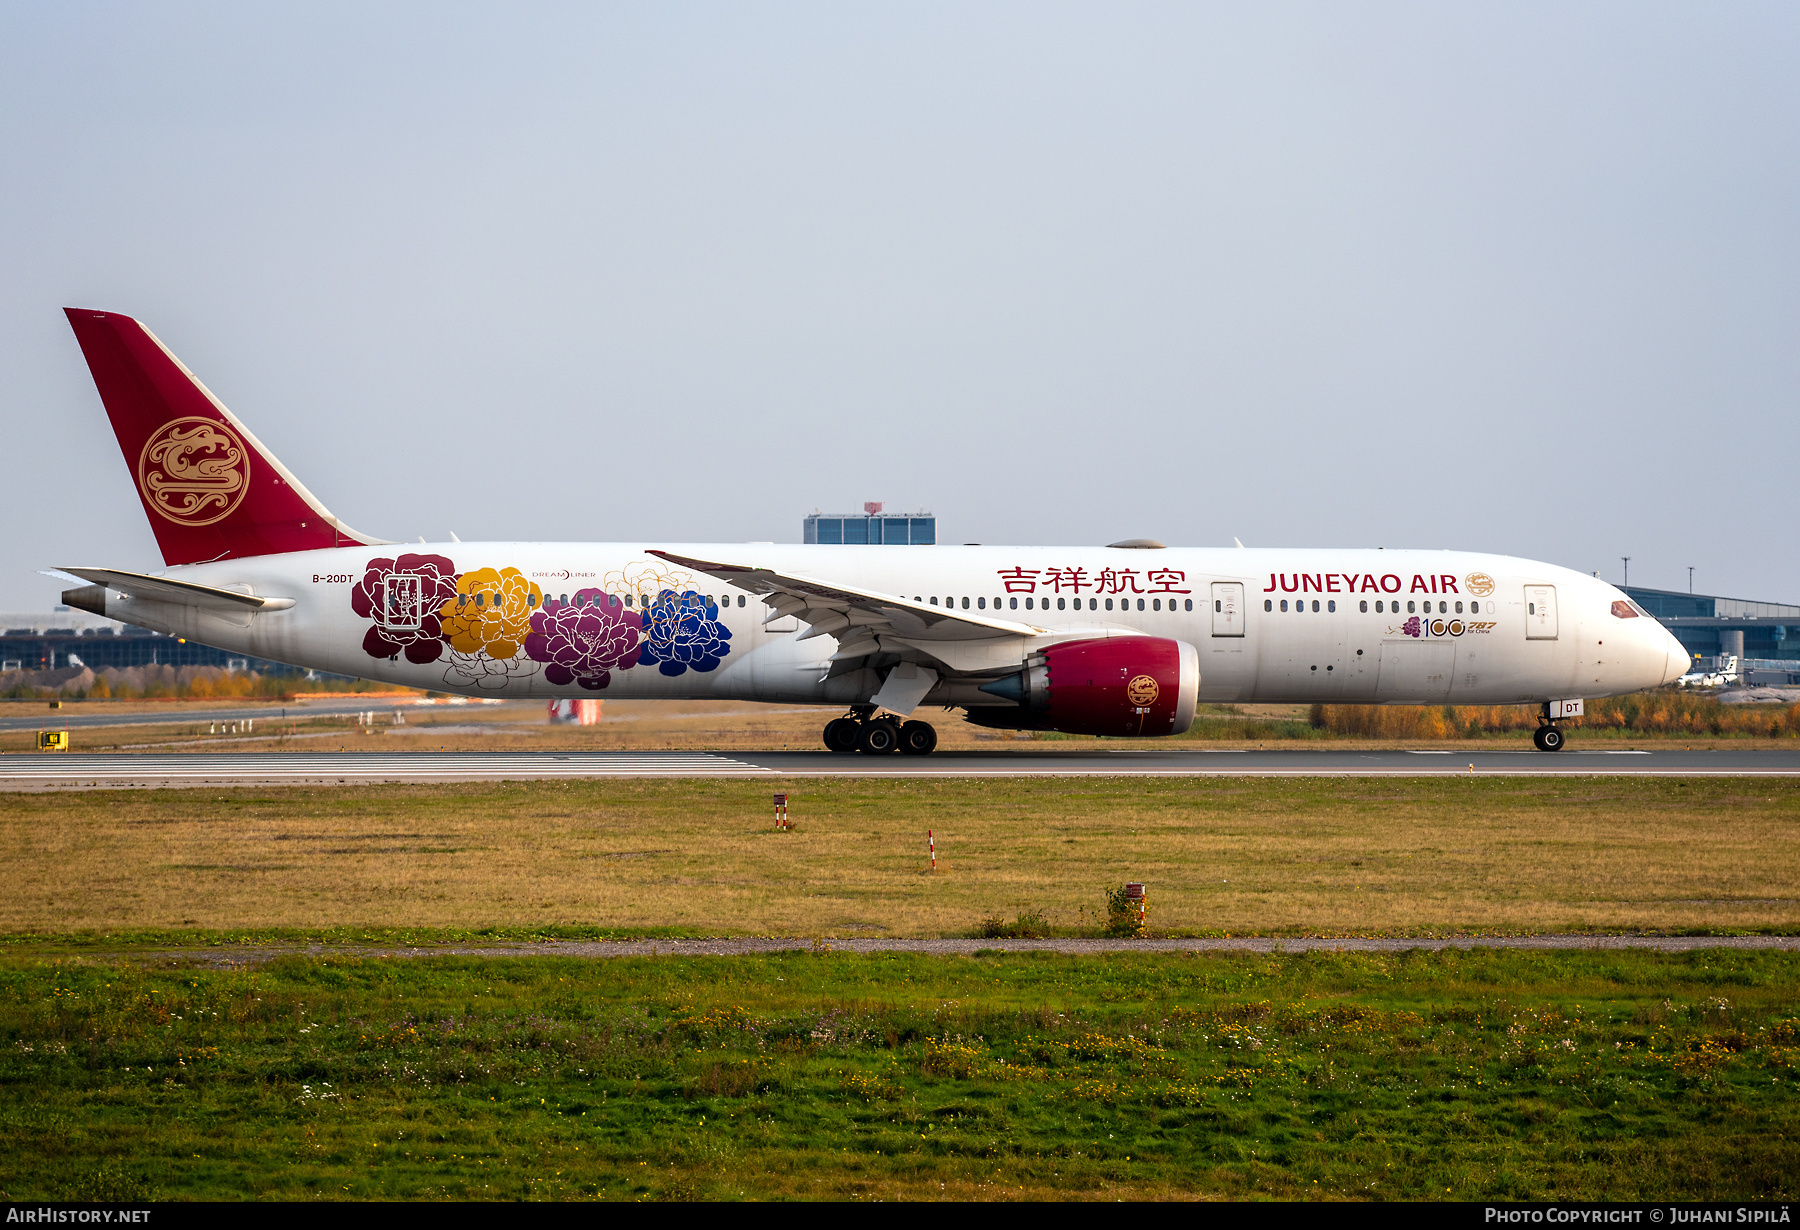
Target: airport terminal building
1761	635
75	638
871	527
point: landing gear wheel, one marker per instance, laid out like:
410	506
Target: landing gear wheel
1548	739
840	735
918	739
877	739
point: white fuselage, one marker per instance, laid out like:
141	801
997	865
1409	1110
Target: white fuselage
1345	626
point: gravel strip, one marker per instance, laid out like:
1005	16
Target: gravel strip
251	955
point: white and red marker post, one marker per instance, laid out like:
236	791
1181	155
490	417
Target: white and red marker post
931	845
781	815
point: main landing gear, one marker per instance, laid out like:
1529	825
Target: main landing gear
1548	738
863	732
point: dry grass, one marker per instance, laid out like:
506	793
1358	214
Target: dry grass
1237	856
518	725
642	725
1663	712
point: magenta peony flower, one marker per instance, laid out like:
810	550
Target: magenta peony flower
401	625
586	640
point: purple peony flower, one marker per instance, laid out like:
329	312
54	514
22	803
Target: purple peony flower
585	640
1411	626
403	597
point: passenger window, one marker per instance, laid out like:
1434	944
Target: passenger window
1409	608
981	604
1363	606
1059	604
1331	605
1267	605
1284	604
934	600
1315	606
1109	604
1443	608
1140	604
1013	603
1028	604
965	604
1190	604
1156	604
1459	608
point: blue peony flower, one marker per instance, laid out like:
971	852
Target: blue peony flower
682	631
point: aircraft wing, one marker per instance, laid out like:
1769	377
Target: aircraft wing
181	593
859	619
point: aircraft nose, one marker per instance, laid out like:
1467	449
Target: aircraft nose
1678	661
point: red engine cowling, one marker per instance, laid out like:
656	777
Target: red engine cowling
1117	685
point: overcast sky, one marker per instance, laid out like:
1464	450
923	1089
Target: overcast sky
1509	277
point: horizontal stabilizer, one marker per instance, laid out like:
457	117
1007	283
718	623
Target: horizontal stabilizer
179	593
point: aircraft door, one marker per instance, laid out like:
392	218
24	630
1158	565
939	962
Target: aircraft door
1228	608
1540	612
405	601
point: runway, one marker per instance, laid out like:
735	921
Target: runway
73	771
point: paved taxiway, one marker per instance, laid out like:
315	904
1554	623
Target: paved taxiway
75	715
76	771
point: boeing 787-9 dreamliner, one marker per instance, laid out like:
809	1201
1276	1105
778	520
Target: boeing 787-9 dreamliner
1122	640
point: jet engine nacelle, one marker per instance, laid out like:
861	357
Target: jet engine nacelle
1117	685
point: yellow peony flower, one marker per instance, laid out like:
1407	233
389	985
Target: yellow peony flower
491	612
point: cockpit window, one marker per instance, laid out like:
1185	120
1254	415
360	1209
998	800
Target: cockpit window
1624	610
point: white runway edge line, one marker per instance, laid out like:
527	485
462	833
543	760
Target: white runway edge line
300	766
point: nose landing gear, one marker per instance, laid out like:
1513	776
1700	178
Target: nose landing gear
1548	737
861	731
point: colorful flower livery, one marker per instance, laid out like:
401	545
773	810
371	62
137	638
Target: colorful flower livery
493	625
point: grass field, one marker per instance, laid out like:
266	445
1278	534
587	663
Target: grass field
1232	856
1624	1076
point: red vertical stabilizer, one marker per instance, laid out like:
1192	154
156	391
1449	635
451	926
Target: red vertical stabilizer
210	489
